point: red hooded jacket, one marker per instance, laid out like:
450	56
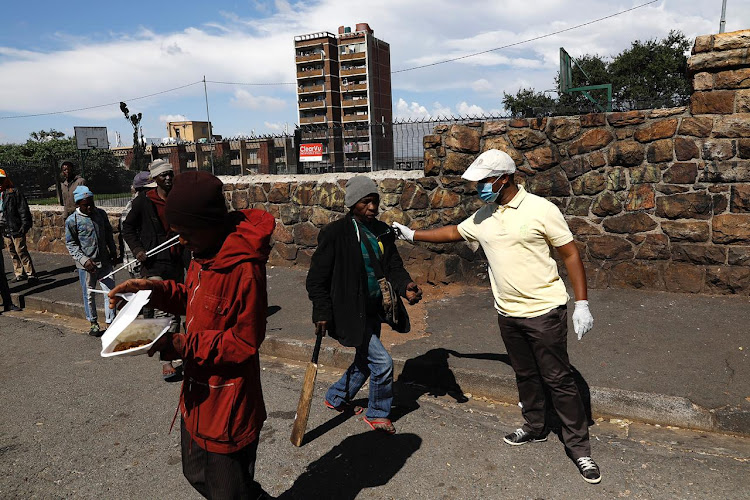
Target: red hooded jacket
225	302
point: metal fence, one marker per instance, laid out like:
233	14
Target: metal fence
40	181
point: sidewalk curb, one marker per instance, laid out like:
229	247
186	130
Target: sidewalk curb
606	402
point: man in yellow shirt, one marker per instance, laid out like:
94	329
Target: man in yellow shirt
516	229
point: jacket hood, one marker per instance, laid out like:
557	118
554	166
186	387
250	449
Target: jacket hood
250	238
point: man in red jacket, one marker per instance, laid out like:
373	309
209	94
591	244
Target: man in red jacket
224	300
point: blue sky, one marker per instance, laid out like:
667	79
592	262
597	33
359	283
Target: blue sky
62	56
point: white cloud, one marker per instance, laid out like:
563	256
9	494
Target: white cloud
481	85
172	118
465	109
244	99
86	70
405	110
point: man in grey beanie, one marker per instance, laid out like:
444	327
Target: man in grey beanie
353	254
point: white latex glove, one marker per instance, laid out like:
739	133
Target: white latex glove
403	232
583	321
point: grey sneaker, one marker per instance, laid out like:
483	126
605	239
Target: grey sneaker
520	436
589	470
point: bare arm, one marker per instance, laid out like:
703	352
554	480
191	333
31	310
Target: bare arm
445	234
574	265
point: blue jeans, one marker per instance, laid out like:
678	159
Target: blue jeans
89	280
371	360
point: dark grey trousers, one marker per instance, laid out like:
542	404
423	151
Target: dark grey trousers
4	288
538	351
219	476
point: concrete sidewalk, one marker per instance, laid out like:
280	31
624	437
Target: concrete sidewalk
670	359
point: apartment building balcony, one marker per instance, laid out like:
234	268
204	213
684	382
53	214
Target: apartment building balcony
348	103
308	120
313	73
311	89
353	71
352	56
358	133
356	147
309	58
312	105
353	86
235	161
356	118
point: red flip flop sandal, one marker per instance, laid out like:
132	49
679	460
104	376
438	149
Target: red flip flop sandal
345	407
381	424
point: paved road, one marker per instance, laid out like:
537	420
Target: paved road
75	425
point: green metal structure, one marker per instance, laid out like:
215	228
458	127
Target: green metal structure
566	82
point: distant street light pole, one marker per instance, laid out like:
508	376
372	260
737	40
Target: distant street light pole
210	132
723	21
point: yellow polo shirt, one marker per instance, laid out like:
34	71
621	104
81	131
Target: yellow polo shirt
516	239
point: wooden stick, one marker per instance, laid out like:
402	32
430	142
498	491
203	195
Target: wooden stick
305	398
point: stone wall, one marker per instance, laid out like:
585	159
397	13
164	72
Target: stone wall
657	199
48	231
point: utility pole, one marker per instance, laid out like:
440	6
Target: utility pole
723	21
210	132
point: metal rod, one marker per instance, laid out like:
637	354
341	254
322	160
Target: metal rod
210	132
723	21
167	244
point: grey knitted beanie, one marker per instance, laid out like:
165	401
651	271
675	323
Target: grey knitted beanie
357	188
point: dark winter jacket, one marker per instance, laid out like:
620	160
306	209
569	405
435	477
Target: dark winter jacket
17	214
142	230
225	302
337	281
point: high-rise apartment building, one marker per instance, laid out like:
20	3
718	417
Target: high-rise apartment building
344	98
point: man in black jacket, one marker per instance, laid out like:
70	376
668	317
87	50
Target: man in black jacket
347	301
15	222
146	227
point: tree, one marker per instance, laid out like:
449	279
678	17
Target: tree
44	135
139	146
528	102
34	165
652	73
648	74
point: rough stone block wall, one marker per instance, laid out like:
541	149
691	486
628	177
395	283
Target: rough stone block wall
48	231
657	199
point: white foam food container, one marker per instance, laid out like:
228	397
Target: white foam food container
126	327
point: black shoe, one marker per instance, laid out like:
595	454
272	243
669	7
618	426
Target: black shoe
20	278
95	330
11	308
589	470
520	436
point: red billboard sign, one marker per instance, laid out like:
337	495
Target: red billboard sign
311	152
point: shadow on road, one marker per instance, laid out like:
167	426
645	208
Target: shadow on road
362	461
430	373
334	422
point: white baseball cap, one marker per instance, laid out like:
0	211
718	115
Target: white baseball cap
491	163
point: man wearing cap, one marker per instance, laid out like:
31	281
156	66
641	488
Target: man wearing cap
225	303
348	303
141	182
515	229
70	181
15	222
146	227
89	239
